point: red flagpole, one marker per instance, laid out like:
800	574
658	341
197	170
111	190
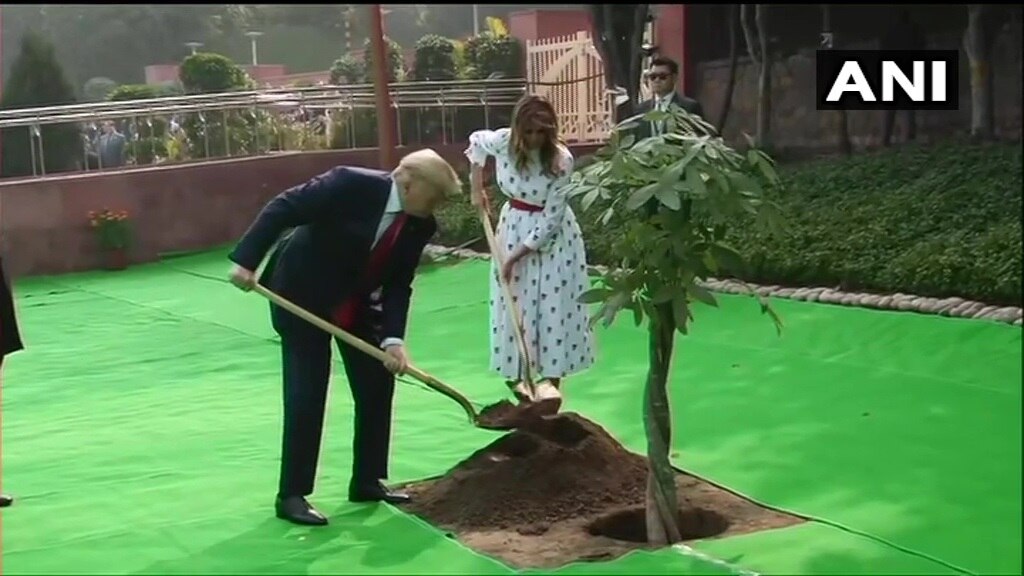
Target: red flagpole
385	113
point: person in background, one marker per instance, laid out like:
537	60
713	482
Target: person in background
110	146
663	76
10	339
357	238
545	258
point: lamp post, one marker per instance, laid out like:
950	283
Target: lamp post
385	113
193	46
253	35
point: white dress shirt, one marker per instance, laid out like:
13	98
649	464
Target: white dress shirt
662	104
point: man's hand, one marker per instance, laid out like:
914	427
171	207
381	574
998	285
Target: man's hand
242	278
396	360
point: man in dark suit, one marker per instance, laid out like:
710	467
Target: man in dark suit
10	339
663	76
357	238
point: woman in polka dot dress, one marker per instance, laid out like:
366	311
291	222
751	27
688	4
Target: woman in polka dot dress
546	262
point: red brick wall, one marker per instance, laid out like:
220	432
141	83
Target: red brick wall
43	228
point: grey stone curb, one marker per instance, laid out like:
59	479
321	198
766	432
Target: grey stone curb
953	307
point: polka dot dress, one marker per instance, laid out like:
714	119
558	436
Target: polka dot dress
546	282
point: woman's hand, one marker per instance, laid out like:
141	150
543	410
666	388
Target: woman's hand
481	199
511	261
478	195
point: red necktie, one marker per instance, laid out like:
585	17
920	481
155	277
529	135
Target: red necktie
346	315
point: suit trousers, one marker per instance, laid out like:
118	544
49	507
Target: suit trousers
306	371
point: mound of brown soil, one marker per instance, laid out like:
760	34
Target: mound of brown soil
560	489
551	469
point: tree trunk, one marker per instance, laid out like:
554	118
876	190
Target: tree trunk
662	503
756	36
733	57
764	85
617	34
845	147
978	40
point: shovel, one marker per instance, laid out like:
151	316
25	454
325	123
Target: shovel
367	348
513	312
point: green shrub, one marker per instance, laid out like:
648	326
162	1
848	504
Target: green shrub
97	89
940	220
435	59
135	92
205	73
396	61
489	53
218	133
347	70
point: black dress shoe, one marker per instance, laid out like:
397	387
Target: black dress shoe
376	492
6	500
296	510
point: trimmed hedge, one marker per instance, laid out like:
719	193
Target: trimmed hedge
939	220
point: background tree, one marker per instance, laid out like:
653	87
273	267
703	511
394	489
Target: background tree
618	31
217	133
845	146
493	52
37	79
347	70
435	59
754	18
97	89
698	186
396	61
979	38
733	21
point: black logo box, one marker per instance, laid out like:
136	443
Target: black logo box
829	62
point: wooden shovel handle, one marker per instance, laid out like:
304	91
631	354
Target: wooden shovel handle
513	310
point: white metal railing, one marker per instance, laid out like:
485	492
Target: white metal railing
433	103
475	92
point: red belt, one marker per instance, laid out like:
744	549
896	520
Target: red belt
520	205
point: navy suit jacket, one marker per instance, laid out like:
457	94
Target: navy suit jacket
334	219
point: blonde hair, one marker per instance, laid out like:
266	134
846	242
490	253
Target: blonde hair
534	111
429	166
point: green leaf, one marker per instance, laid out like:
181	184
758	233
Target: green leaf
640	196
607	216
613	306
767	309
709	262
656	116
618	167
680	313
663	294
668	197
627	141
690	155
593	295
638	313
727	258
702	294
695	181
590	198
